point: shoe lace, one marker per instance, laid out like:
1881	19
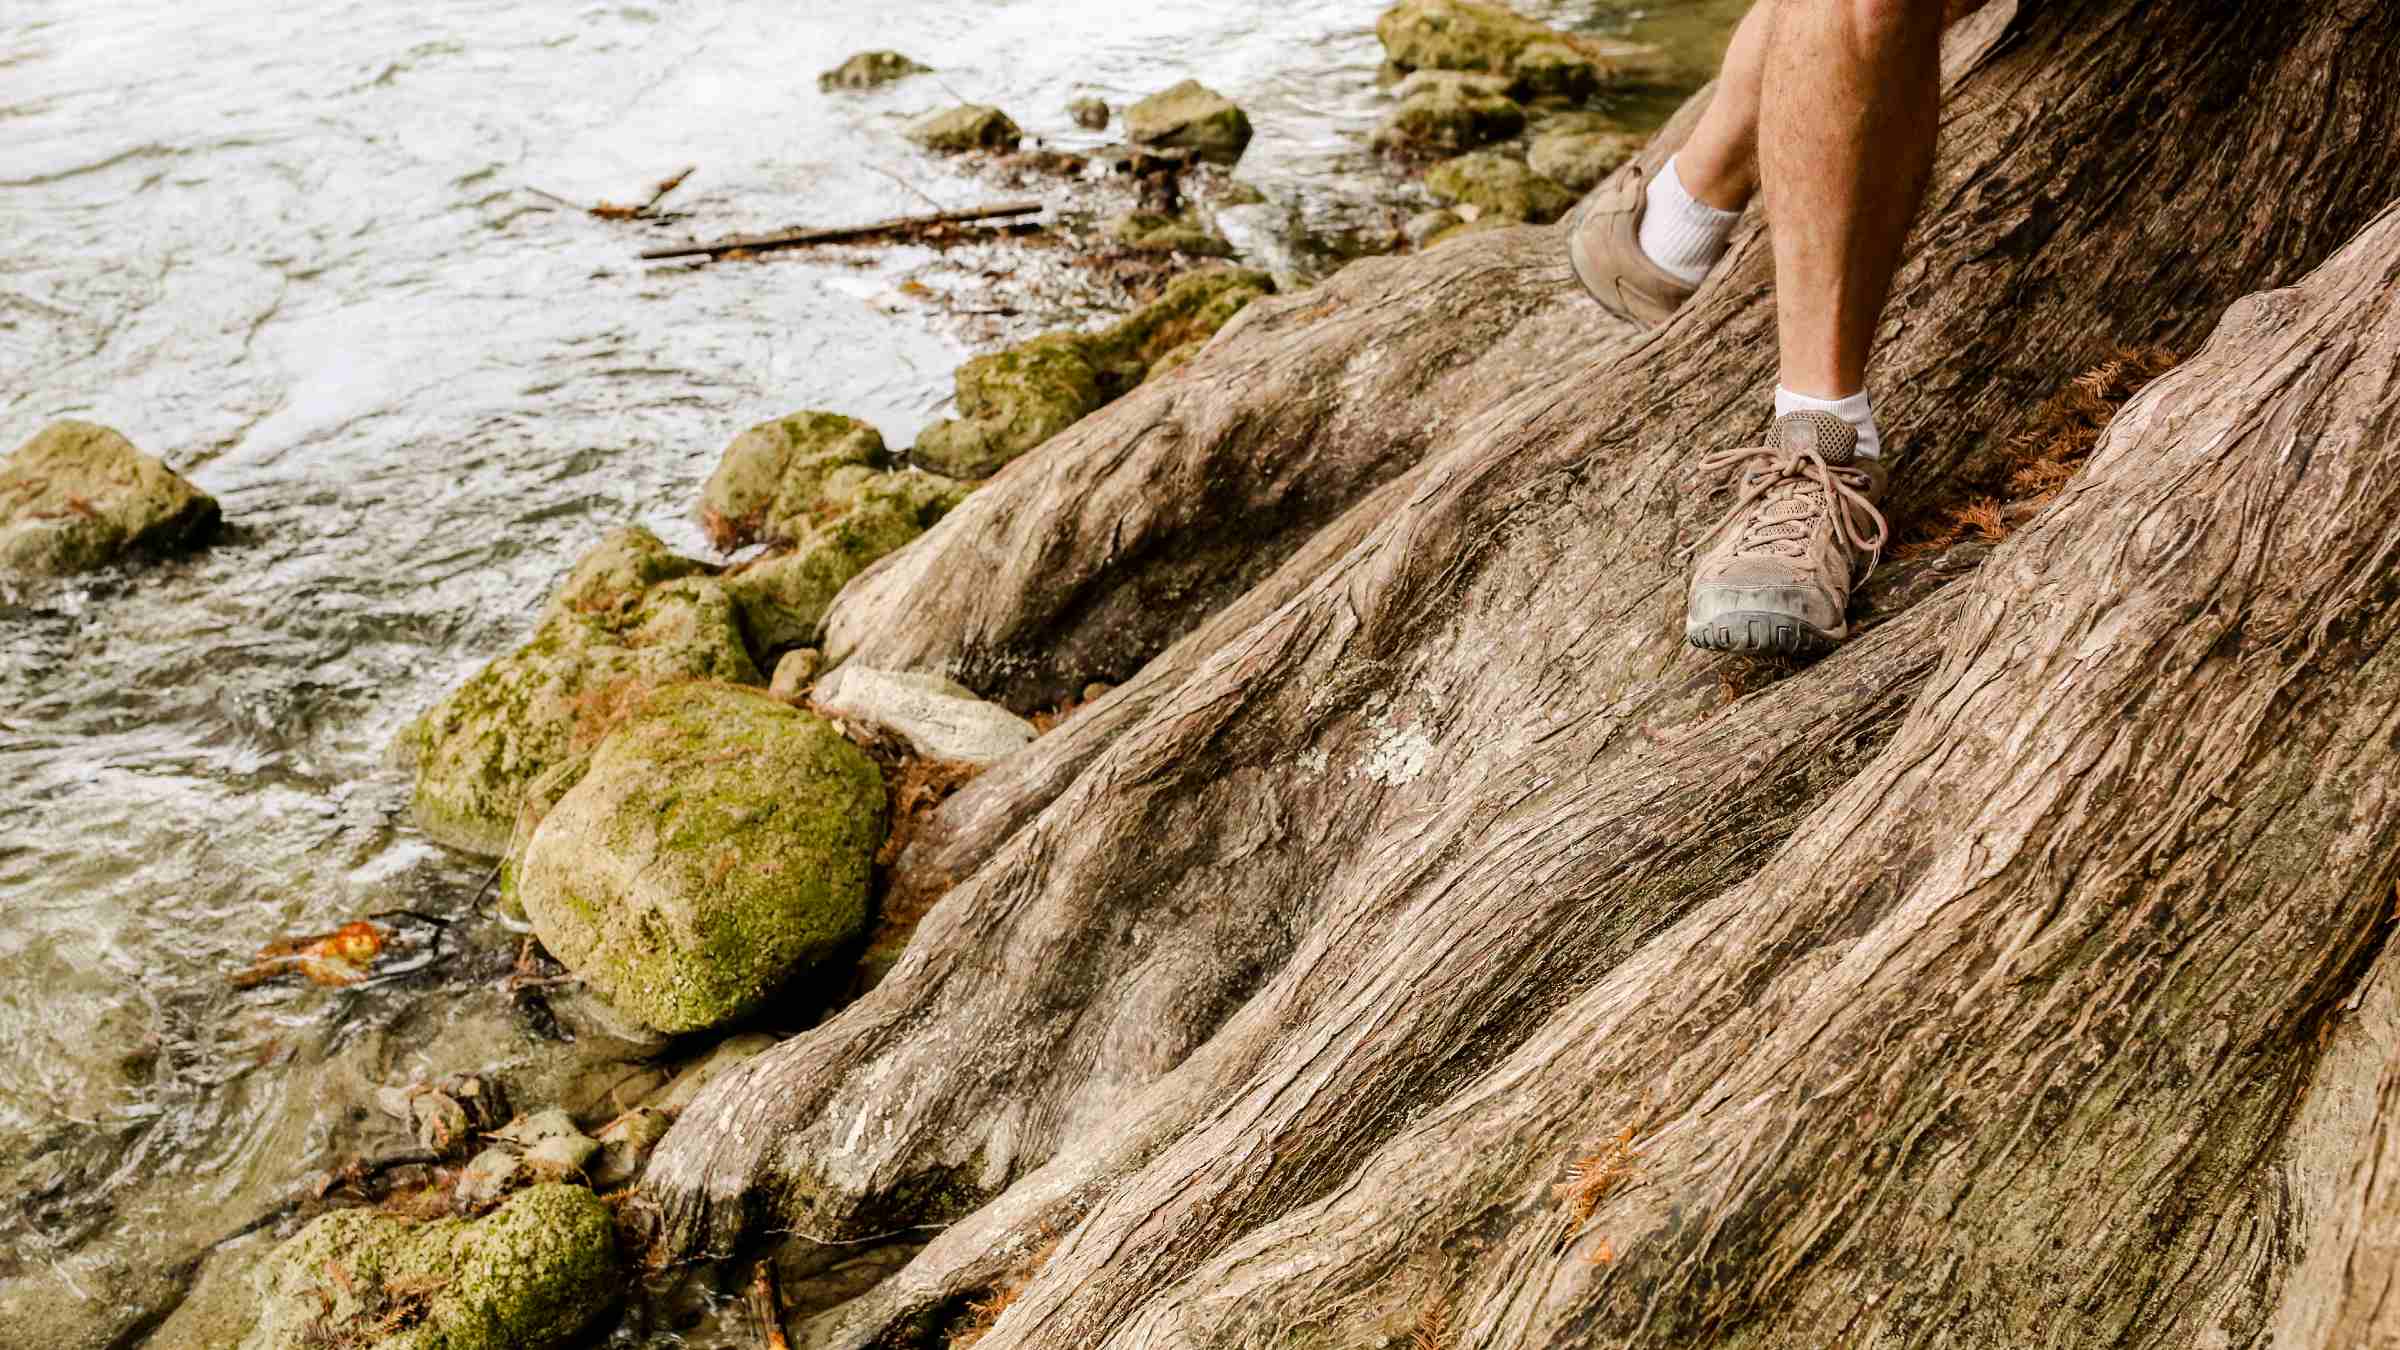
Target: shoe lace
1789	489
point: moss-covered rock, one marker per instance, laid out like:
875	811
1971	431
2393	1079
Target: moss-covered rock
1157	232
869	69
862	516
530	1275
631	617
1497	185
1444	113
1013	400
769	484
1470	35
1578	160
970	126
1555	69
78	496
716	850
1191	116
1010	401
1090	113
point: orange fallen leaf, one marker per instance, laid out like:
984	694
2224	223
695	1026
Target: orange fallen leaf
333	959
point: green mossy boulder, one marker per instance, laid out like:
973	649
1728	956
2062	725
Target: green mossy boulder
869	69
783	598
970	126
78	496
1157	232
631	617
531	1275
1469	35
1012	400
1578	160
1191	116
1498	186
1009	402
1442	113
715	851
1555	69
769	484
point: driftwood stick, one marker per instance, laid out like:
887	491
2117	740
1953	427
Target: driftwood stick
788	238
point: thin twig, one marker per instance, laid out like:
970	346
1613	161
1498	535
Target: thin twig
908	187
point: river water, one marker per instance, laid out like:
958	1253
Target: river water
296	251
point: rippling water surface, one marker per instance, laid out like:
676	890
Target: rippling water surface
294	250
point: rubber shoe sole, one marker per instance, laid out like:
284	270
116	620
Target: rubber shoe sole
1758	632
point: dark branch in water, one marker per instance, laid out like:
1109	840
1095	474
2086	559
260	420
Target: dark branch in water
789	238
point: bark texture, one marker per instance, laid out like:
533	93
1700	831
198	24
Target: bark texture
1981	984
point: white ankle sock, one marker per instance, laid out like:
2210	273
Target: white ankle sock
1682	234
1853	410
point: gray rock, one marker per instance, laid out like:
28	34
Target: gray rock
487	1179
78	496
939	718
1089	113
535	1127
730	1053
795	672
625	1145
869	69
1193	116
564	1157
970	126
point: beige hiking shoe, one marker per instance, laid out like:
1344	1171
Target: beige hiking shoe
1604	243
1776	576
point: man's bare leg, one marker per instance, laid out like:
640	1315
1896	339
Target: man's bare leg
1850	102
1848	110
1718	163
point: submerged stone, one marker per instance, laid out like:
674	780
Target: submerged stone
1012	400
715	852
1498	186
632	616
869	69
1089	113
78	496
1194	117
531	1275
939	718
971	126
